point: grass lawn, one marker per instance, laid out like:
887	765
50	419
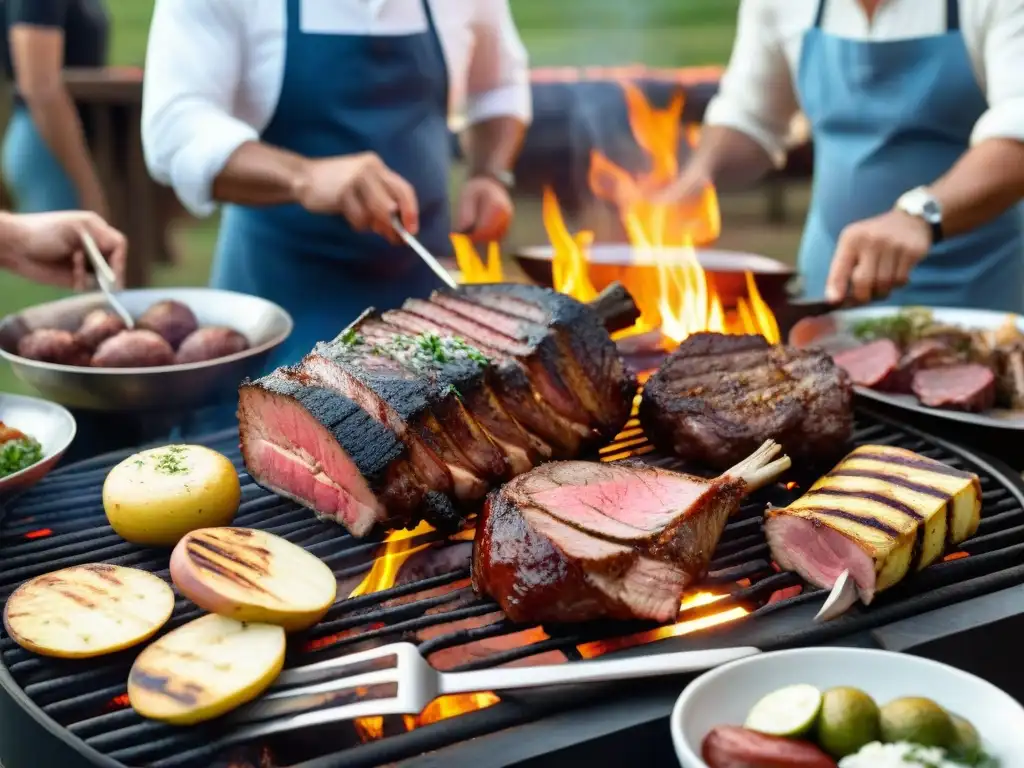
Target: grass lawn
577	32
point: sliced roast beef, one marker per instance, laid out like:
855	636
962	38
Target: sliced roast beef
919	356
427	418
717	397
465	377
312	445
871	365
577	541
969	387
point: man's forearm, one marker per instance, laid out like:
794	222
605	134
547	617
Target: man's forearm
492	146
983	184
259	174
728	158
11	244
57	120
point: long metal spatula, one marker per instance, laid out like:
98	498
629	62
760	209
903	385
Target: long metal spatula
422	252
396	679
105	277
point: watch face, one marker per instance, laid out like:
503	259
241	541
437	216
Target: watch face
931	211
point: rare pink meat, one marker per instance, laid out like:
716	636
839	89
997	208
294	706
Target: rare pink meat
969	387
870	365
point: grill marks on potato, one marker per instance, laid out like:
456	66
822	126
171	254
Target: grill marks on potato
87	610
231	557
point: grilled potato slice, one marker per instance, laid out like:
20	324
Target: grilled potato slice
205	668
252	575
87	610
881	512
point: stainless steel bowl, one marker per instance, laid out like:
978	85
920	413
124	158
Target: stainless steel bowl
161	388
49	423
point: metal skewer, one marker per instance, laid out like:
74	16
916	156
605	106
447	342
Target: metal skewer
841	598
105	277
422	252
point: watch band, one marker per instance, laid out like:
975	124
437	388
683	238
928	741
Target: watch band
506	178
937	233
922	204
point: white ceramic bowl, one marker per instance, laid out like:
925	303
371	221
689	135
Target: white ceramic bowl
47	422
723	696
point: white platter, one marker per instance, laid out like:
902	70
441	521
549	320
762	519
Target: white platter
832	333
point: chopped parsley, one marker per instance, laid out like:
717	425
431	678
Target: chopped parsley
172	461
18	454
450	389
349	337
428	349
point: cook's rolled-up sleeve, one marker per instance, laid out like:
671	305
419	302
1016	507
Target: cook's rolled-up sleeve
1003	55
756	95
193	68
498	83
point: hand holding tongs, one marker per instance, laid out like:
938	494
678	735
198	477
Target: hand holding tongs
105	277
396	679
422	252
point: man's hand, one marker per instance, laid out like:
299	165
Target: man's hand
363	190
876	255
47	247
484	211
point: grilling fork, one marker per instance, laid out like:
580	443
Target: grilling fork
396	680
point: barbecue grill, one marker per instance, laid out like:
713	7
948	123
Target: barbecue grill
75	713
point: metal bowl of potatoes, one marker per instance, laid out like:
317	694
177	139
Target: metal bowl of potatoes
63	350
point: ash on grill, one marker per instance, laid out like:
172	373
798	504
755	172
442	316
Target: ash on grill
421	593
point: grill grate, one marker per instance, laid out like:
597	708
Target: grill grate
61	523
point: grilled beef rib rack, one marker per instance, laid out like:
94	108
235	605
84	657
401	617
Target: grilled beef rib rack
410	414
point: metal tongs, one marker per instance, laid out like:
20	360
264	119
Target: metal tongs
422	252
105	277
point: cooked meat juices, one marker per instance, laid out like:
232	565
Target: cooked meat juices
881	513
717	397
576	541
449	397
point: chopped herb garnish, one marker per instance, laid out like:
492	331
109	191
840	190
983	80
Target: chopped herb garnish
349	337
428	349
19	454
450	389
172	460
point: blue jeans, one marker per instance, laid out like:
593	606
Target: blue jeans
36	180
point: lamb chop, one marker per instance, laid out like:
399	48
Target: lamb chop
576	541
717	397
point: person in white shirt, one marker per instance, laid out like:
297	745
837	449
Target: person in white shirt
316	121
917	115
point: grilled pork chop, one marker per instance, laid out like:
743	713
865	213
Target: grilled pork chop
575	541
881	513
717	397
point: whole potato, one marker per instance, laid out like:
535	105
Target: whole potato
171	319
50	345
98	326
133	349
209	344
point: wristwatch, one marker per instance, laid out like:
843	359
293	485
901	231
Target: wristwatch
506	178
923	204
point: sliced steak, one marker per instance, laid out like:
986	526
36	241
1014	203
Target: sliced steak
871	365
718	397
320	449
920	355
969	387
577	541
414	408
466	381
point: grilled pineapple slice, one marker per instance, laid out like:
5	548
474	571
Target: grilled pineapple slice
901	510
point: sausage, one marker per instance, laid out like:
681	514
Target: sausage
98	326
50	345
133	349
171	319
209	344
729	746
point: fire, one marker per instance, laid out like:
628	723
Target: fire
442	708
472	267
398	547
42	533
698	599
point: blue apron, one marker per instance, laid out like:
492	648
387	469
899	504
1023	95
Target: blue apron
343	94
887	117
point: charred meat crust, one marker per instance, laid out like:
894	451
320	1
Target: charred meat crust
717	397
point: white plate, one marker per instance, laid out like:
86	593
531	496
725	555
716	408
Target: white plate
51	424
831	332
724	696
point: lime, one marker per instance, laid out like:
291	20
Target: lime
848	721
919	721
790	711
966	743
